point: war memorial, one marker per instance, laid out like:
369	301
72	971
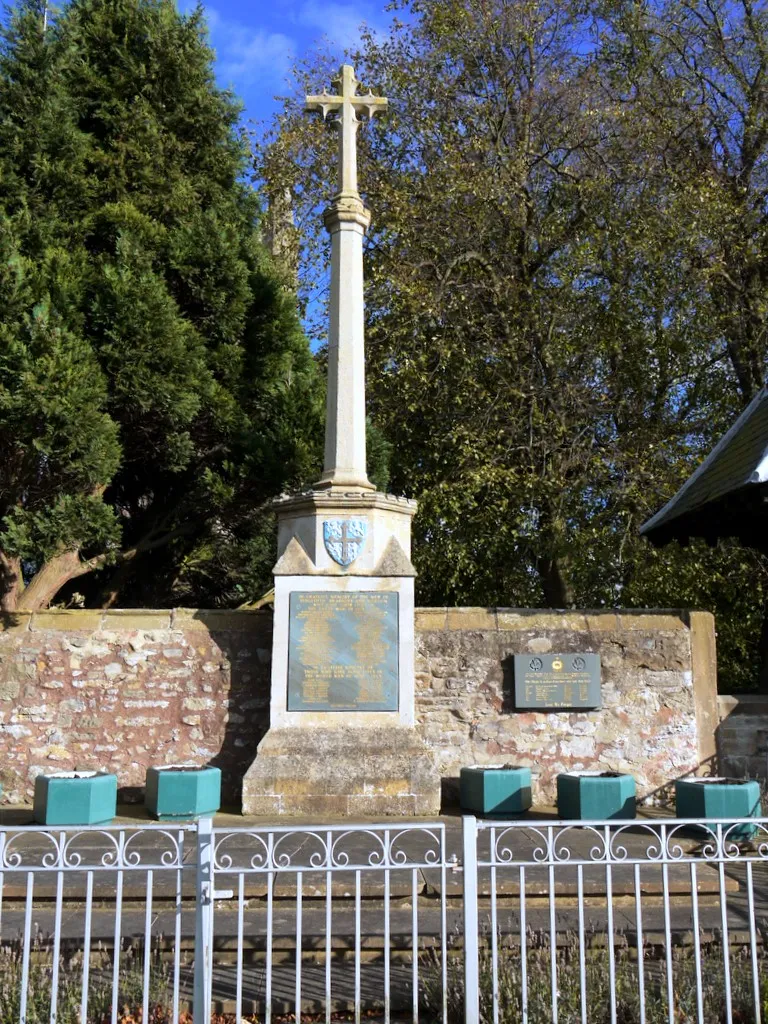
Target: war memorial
347	700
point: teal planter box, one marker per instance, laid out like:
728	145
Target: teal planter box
182	791
595	796
75	798
495	790
719	798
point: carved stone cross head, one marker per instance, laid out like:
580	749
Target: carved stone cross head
347	104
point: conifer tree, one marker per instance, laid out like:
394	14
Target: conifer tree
155	387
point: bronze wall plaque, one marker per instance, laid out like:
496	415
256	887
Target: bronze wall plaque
343	651
553	682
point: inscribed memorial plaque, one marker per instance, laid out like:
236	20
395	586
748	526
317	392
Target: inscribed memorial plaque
343	651
555	681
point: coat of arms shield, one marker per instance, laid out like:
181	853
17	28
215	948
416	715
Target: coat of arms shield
344	539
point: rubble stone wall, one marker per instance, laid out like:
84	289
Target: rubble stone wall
123	690
659	694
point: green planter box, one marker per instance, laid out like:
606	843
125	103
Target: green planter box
495	790
182	791
595	796
75	798
719	798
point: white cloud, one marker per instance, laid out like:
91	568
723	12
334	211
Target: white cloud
339	22
248	56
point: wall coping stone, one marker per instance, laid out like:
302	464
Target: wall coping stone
588	620
427	619
115	619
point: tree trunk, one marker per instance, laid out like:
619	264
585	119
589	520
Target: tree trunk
47	582
11	582
557	593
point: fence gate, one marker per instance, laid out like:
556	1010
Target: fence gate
325	919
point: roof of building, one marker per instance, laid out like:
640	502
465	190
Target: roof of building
724	496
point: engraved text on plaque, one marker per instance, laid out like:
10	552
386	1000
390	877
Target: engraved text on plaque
554	681
343	651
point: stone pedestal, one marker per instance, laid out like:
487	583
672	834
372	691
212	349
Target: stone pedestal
342	772
342	738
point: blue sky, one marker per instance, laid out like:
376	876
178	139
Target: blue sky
256	41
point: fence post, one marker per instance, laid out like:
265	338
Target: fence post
203	973
471	938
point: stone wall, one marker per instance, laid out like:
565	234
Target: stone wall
122	690
659	712
742	736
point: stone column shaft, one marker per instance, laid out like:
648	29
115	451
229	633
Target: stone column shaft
345	455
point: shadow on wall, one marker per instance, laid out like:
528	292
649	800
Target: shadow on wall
663	796
248	700
244	640
742	736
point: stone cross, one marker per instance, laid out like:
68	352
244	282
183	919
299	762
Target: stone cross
346	106
346	220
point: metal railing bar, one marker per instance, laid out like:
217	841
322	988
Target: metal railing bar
639	942
2	878
270	932
358	931
328	926
415	945
668	937
523	949
147	947
582	951
387	997
117	942
87	946
611	937
239	954
299	943
177	935
328	830
443	933
697	944
724	921
26	948
56	944
494	945
552	929
753	946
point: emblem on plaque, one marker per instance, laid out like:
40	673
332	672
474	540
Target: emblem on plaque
344	539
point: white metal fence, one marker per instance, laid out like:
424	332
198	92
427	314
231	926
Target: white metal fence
448	921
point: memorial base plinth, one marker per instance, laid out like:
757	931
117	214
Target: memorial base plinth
342	773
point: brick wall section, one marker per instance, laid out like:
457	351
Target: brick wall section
123	690
742	737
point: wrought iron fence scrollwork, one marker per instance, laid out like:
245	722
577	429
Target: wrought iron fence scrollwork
572	844
342	849
93	849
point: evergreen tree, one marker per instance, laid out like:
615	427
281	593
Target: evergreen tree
155	387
